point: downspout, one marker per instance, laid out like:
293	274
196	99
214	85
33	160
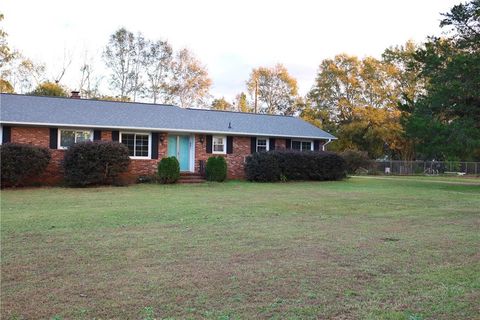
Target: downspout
323	146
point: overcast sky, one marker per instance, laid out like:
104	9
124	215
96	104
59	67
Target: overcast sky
229	37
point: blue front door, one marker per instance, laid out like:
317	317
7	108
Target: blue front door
179	147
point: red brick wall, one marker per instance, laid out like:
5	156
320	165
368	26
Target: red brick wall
144	167
40	136
280	144
140	167
31	135
235	161
106	135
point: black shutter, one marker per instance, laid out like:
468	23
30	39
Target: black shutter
229	145
97	135
209	144
53	138
154	145
288	144
6	134
253	145
271	144
316	145
115	136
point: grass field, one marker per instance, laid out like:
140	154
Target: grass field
357	249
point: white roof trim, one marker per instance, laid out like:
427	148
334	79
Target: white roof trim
160	129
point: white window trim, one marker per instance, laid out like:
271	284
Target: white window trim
301	140
224	139
267	145
135	142
59	136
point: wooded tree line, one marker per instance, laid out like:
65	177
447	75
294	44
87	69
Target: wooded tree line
418	101
140	69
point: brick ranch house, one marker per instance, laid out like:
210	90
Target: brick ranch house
151	132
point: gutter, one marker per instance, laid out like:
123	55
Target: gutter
323	146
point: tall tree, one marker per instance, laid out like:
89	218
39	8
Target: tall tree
445	122
337	87
463	20
17	73
137	85
50	89
120	56
89	81
241	103
63	68
406	73
411	86
358	100
275	88
6	56
190	83
316	116
221	104
26	74
157	60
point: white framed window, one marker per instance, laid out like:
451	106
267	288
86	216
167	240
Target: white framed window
302	145
219	144
263	144
68	137
138	144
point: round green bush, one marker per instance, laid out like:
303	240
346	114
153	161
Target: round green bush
95	163
168	170
22	161
216	169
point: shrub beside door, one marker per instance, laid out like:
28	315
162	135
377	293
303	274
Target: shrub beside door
216	169
168	170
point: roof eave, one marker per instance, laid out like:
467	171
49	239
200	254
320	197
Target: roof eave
63	125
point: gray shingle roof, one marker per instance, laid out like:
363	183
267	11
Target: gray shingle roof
66	112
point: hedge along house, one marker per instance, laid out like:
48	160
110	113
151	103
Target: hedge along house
151	131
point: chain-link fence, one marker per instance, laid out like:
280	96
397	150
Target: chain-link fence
423	167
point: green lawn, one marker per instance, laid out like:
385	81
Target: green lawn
361	248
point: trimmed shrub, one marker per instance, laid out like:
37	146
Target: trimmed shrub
355	160
216	169
22	161
264	167
294	165
168	170
95	163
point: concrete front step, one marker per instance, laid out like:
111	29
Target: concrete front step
191	177
181	180
188	173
